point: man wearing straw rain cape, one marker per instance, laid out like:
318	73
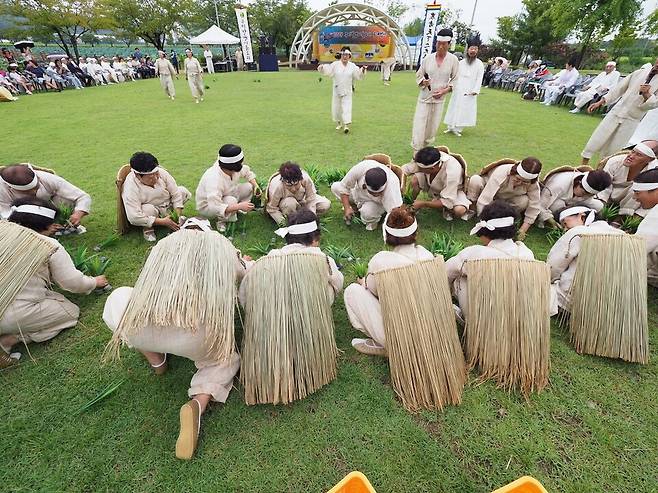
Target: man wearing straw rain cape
36	313
195	264
361	298
22	180
563	256
645	188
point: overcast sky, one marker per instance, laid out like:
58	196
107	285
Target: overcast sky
485	15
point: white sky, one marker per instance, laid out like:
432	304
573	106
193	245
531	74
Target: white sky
486	13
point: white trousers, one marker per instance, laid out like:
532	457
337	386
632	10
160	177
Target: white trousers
584	97
610	136
341	108
370	211
427	119
242	193
365	312
209	66
289	205
212	377
195	81
167	83
551	93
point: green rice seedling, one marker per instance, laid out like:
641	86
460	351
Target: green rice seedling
552	235
609	212
360	269
231	229
314	173
104	394
630	224
357	220
261	249
96	266
257	200
64	212
445	245
79	257
174	216
408	196
341	255
333	175
109	241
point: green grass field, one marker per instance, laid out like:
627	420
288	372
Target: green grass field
595	428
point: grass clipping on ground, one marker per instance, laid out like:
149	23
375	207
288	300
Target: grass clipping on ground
427	364
188	281
22	253
289	350
507	333
609	298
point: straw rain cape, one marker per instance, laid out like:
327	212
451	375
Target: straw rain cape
609	298
22	253
427	364
188	281
288	350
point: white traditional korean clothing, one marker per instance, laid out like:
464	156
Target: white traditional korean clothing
462	109
344	76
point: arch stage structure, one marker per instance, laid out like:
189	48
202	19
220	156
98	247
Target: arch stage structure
343	13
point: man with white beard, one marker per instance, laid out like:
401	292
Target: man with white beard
462	110
600	86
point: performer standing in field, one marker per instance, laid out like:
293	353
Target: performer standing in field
387	66
207	54
462	109
194	75
166	71
344	73
435	77
634	95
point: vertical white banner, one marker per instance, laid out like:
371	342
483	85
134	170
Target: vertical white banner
245	35
432	14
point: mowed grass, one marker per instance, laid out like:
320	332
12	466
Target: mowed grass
594	429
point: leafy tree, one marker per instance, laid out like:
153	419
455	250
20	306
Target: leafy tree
415	27
591	20
280	19
152	20
64	21
205	17
652	23
89	38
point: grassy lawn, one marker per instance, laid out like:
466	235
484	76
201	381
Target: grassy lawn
594	429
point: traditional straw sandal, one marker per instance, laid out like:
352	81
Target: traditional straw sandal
6	361
369	347
188	436
161	368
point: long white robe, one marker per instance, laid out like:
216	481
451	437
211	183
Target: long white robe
344	76
462	109
563	258
648	230
361	301
647	129
601	84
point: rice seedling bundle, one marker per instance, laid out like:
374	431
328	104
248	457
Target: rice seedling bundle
507	331
22	253
609	212
445	245
188	281
631	223
427	364
288	350
609	298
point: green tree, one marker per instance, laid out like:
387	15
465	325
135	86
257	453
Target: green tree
64	21
415	27
205	17
651	24
152	20
589	21
280	19
89	38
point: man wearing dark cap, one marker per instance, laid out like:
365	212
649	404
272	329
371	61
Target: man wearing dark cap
435	77
372	188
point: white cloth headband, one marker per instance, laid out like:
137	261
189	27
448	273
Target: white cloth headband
35	209
297	229
423	165
579	209
524	174
444	38
398	232
348	52
203	224
153	171
231	159
23	188
644	187
586	186
491	224
645	149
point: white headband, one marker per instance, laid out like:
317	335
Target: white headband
572	211
444	38
231	159
346	52
399	232
23	188
35	209
153	171
423	165
645	149
203	224
297	229
524	174
644	187
491	224
586	186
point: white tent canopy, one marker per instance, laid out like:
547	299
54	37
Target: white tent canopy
214	36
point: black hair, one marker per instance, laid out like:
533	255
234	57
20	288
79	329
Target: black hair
230	150
497	209
290	171
599	180
398	218
427	155
302	216
572	61
375	178
579	204
143	162
648	176
32	221
17	174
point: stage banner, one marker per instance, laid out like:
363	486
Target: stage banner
245	35
432	16
368	44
